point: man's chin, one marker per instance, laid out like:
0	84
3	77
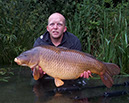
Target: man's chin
56	36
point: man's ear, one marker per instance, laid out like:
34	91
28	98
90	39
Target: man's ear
47	28
65	29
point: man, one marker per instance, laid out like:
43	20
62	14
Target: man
57	35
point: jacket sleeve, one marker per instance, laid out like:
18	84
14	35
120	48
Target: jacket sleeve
77	45
37	42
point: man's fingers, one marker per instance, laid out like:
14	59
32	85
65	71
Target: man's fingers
81	75
86	74
89	73
40	70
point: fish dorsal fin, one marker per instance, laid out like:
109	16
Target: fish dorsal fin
36	73
89	55
58	82
61	47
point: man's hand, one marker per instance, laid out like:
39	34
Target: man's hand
86	74
38	72
41	72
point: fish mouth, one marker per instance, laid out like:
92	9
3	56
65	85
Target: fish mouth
19	62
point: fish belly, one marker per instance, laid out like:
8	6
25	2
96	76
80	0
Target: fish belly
62	70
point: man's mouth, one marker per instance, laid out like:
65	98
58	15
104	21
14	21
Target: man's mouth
55	32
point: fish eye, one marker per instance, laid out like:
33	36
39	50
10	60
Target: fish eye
25	55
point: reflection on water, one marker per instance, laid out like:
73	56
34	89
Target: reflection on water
21	88
85	95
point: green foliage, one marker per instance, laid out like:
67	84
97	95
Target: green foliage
114	46
5	74
103	30
19	24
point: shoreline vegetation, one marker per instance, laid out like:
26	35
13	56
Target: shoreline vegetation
101	25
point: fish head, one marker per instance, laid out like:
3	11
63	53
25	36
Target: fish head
28	58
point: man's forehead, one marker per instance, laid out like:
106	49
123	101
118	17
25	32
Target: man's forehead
56	18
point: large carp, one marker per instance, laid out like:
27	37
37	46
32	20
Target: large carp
66	64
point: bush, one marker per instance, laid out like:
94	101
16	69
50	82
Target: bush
101	26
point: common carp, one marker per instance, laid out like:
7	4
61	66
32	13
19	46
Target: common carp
66	64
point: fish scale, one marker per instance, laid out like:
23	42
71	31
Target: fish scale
65	64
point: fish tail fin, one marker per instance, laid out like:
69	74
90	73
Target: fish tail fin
106	76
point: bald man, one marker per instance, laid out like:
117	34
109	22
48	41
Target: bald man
57	35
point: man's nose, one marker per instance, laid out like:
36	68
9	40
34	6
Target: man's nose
55	26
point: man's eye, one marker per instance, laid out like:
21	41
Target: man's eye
59	24
51	24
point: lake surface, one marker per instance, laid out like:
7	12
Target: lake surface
21	88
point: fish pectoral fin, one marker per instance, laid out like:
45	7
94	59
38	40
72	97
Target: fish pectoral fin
36	74
58	82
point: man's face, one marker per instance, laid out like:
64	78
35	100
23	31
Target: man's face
56	26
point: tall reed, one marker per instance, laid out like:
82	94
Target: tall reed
115	42
103	32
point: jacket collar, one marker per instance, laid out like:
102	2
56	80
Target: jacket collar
46	38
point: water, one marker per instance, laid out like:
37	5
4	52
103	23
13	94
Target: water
21	88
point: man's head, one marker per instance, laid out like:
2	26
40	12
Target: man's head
56	25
